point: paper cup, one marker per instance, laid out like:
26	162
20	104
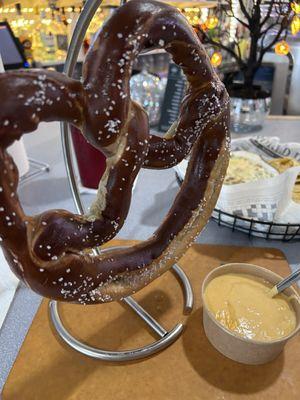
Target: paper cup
246	351
18	152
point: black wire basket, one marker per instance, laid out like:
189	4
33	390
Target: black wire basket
252	227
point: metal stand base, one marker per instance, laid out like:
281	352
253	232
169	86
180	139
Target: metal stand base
166	338
35	168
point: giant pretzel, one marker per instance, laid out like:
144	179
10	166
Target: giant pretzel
47	251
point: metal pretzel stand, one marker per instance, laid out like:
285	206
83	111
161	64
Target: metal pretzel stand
165	337
36	168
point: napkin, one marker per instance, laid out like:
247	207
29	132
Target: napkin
268	200
8	286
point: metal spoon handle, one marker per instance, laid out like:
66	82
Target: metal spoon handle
288	281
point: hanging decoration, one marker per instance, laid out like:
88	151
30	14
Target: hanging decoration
295	25
295	7
282	48
216	59
203	27
211	22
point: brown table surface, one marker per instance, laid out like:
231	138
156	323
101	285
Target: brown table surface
189	369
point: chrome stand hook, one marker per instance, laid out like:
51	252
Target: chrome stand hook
165	337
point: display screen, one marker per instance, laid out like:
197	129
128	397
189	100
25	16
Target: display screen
11	54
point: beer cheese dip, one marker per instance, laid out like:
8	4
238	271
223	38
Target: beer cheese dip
243	169
242	304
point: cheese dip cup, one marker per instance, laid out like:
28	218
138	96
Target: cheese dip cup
229	343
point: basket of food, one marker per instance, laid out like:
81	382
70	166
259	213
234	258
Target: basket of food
261	191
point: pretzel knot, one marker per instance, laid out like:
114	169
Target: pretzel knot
49	251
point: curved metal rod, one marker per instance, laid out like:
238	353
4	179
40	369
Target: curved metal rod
83	22
106	355
183	279
187	289
166	337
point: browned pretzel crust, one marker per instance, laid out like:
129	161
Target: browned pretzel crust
46	251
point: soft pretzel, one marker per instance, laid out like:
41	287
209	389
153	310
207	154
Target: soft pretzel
48	251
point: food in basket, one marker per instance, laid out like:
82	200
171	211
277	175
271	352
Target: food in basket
296	193
247	167
281	165
242	304
284	163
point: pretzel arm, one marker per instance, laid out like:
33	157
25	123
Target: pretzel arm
108	212
205	99
35	96
197	112
28	98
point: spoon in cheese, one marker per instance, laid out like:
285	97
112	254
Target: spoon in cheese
285	283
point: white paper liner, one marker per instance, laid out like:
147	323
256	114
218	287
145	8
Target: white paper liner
267	200
18	152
